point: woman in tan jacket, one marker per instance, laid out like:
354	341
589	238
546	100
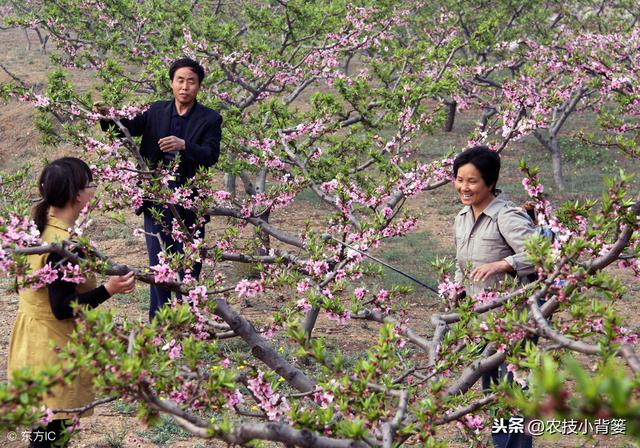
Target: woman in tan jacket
45	314
490	233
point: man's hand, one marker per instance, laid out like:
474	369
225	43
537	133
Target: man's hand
486	270
171	143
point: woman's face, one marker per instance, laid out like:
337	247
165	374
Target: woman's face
471	187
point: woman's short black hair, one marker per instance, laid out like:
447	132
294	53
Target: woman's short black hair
59	184
484	159
187	62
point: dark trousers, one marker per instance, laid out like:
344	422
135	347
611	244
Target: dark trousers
504	440
47	436
160	295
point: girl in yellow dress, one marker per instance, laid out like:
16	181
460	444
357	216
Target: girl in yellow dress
45	314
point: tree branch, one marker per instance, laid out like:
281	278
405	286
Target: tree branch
389	428
461	412
622	242
246	432
84	409
257	222
409	333
262	350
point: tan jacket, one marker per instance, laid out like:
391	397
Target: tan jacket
499	233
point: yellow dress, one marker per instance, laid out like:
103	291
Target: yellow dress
36	327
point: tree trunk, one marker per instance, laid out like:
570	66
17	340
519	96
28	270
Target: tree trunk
487	113
230	184
261	181
26	35
310	322
552	145
261	185
556	158
347	62
43	41
451	115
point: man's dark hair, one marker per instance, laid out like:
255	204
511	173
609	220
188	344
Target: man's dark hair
186	62
484	159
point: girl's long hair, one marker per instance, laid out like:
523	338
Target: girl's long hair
59	184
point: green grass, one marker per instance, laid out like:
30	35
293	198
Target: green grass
412	254
581	156
115	438
308	195
445	202
118	231
584	168
164	431
140	296
122	407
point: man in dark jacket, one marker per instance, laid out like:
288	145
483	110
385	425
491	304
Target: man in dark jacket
179	126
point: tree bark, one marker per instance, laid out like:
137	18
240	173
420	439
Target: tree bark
451	115
43	41
487	113
552	145
26	36
261	187
556	158
265	240
347	62
230	184
310	321
262	350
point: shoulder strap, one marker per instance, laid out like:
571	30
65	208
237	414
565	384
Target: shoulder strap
530	277
500	232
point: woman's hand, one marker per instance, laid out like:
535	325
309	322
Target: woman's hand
455	297
486	270
121	284
100	108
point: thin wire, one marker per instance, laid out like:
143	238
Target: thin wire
409	276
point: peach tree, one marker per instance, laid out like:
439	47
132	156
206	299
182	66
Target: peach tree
339	100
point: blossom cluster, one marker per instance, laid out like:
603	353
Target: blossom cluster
274	404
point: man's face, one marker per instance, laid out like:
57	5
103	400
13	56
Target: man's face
185	86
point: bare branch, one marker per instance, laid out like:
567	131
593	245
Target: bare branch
568	110
389	428
615	251
461	412
438	334
448	61
84	409
376	315
246	432
257	222
548	332
627	352
455	317
12	76
242	258
262	350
